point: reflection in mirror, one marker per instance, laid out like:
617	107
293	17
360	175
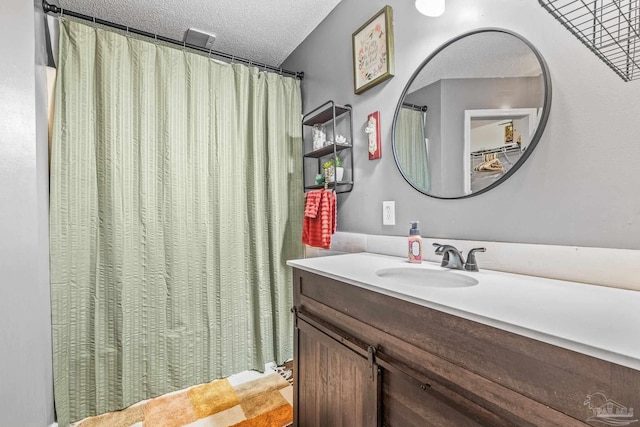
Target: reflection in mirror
471	114
411	148
496	140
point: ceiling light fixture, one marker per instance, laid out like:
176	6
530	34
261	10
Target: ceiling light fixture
430	7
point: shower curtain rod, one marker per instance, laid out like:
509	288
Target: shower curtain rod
422	108
53	9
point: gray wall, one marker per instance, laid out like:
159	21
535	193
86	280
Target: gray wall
26	386
568	192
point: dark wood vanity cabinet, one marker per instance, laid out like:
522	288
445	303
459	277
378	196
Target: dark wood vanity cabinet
366	359
339	390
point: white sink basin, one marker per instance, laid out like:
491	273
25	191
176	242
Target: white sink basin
423	277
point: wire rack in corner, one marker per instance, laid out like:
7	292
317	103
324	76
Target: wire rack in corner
609	28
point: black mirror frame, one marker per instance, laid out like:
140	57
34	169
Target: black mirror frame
546	109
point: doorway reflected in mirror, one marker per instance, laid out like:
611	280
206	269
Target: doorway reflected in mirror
484	92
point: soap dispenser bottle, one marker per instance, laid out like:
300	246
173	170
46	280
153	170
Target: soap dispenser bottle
415	243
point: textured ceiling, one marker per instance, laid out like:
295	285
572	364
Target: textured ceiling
262	31
484	55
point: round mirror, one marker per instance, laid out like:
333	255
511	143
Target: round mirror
471	114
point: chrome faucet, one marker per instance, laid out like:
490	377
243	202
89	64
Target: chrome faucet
453	258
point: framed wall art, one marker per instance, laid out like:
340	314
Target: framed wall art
373	51
508	133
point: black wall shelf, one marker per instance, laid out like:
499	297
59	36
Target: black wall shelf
334	117
329	149
324	115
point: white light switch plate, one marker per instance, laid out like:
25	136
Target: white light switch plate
389	213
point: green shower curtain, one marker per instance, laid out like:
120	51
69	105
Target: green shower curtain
411	148
175	202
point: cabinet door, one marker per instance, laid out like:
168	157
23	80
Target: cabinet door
335	385
405	404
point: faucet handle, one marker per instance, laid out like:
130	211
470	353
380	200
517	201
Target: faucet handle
472	264
441	247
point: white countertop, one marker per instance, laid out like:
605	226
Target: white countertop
598	321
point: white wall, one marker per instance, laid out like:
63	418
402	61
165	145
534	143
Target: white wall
579	187
490	134
487	136
26	385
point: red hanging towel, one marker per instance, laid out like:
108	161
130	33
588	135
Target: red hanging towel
312	203
319	218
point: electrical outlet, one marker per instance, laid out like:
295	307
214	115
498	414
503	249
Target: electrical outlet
389	213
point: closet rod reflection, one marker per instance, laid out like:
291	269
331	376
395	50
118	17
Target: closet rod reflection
52	8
